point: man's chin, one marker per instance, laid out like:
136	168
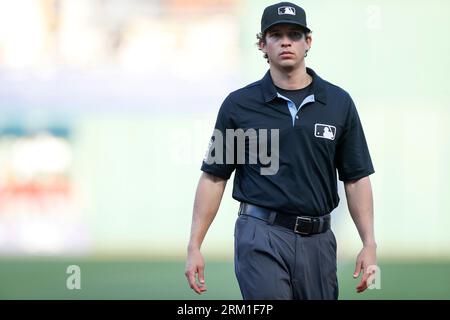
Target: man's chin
288	64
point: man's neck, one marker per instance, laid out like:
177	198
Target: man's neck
292	80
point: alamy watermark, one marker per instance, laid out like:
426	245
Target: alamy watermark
374	279
234	147
374	17
73	281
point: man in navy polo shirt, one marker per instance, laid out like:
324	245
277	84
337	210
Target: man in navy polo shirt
284	246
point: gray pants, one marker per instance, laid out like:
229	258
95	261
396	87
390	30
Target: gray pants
273	262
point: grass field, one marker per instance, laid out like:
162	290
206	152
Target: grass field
147	279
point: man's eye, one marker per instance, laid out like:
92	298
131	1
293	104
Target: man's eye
295	35
275	35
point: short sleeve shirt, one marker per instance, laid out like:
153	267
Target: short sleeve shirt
324	139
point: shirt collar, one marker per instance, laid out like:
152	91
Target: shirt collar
318	87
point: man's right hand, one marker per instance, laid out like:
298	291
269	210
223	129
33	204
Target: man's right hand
206	204
195	267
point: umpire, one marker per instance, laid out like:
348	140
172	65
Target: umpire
284	246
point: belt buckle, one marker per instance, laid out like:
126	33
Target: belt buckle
303	233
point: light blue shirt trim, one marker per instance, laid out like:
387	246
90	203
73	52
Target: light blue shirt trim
291	105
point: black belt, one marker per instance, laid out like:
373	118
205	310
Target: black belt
302	225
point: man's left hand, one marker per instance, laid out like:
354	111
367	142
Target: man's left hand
365	263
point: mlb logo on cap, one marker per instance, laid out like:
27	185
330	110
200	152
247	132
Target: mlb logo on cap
283	12
325	131
286	10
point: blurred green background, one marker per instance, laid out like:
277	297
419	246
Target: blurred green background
151	279
107	107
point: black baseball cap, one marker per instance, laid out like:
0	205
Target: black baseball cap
283	12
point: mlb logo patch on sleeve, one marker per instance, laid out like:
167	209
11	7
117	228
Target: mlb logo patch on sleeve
325	131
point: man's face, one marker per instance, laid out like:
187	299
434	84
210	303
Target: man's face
285	45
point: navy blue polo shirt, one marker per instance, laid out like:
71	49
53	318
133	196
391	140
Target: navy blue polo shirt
320	140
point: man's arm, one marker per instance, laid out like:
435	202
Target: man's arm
360	205
206	204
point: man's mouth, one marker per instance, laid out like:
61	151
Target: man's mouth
286	53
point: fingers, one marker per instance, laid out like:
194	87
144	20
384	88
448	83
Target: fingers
357	269
201	277
369	278
363	283
190	275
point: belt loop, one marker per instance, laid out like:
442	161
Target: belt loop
240	209
273	215
321	223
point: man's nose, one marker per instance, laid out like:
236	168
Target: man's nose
285	41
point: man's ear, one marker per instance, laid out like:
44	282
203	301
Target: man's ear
308	42
262	46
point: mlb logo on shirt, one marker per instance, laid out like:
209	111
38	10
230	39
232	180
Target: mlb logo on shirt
325	131
286	10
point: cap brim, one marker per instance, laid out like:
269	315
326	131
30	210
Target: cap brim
287	22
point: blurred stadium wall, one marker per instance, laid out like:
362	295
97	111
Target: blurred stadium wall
106	109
